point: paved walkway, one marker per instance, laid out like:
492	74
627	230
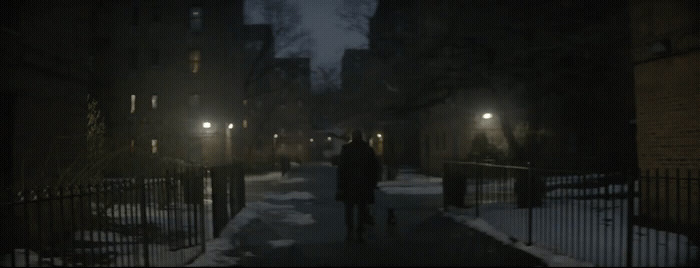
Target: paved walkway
420	237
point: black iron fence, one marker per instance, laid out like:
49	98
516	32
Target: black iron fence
640	219
152	221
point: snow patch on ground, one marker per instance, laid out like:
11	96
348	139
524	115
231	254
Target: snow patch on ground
299	218
271	176
551	259
412	190
290	196
293	180
281	243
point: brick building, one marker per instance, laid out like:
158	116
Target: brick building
666	52
54	55
177	75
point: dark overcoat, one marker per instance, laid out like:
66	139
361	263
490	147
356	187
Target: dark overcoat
358	173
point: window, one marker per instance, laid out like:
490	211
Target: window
194	101
154	146
196	19
195	60
133	58
154	101
155	57
133	104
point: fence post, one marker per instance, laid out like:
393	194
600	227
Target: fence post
144	219
630	217
218	196
531	192
202	215
479	179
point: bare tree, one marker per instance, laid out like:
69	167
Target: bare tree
291	39
328	78
355	14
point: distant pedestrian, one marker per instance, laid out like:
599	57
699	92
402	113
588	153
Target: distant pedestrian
285	164
358	174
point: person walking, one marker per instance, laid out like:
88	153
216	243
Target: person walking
357	175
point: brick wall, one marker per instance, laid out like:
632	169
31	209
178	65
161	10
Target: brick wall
668	112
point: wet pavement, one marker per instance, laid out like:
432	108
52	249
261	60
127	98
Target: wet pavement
421	236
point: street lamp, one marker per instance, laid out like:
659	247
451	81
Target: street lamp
230	126
206	125
487	116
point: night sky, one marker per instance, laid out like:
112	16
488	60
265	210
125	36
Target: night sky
331	40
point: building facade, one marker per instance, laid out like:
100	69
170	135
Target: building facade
178	71
547	71
666	52
54	56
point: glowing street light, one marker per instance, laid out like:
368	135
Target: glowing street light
206	125
379	135
487	116
311	140
329	138
230	126
275	136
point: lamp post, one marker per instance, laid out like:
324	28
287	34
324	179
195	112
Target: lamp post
274	146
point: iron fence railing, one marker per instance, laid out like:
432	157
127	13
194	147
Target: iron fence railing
153	221
634	219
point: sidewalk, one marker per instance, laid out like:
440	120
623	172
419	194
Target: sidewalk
298	223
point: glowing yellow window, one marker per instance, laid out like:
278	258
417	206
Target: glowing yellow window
154	146
195	60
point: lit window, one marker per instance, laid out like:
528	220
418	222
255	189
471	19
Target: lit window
196	19
154	146
195	60
133	104
154	101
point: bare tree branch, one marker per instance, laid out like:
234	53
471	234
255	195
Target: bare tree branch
355	14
